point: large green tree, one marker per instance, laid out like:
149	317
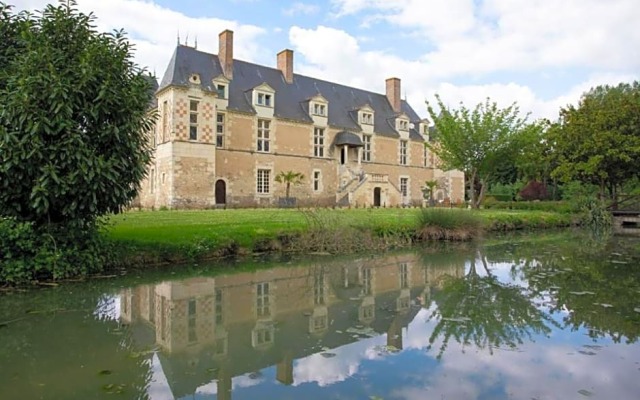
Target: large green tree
598	142
73	117
476	141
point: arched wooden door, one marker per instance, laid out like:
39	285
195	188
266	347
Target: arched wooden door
221	192
377	194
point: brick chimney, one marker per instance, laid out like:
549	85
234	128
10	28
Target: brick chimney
285	64
225	53
393	93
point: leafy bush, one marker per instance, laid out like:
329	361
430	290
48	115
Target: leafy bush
29	252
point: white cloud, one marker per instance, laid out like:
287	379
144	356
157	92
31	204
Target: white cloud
497	35
153	29
301	8
349	64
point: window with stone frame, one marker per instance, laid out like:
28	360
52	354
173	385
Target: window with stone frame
263	303
403	152
318	142
318	288
404	275
191	318
264	136
425	156
193	119
366	151
367	118
319	109
220	128
367	281
221	90
262	181
262	336
264	99
317	176
165	120
219	308
404	186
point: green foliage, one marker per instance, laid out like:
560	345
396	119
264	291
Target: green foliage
596	216
575	191
429	190
505	192
438	223
30	252
289	178
598	142
548	206
477	141
74	116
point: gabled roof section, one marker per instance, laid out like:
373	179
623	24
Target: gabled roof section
318	98
289	97
264	87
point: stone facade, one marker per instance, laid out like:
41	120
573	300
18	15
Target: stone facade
217	146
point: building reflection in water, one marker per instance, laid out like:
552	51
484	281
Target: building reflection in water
216	328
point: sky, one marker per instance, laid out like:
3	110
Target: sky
542	54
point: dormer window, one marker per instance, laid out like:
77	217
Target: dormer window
403	125
367	118
320	109
221	90
264	99
194	78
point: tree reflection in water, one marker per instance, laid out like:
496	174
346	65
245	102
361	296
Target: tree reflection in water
479	310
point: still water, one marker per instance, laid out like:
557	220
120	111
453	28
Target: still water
540	316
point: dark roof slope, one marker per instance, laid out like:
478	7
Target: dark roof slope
290	99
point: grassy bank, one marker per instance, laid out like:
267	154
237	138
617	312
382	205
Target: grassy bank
174	236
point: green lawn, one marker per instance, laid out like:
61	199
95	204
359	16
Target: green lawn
244	226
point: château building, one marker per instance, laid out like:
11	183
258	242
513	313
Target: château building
226	128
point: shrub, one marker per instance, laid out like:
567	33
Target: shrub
29	252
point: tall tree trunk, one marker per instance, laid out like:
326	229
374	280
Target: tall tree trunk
483	191
472	189
287	189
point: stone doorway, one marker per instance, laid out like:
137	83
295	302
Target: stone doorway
221	192
377	194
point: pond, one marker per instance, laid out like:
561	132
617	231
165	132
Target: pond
553	315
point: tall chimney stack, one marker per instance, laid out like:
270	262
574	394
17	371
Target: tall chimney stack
393	94
285	64
225	53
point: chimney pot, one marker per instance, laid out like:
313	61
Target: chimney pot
285	64
225	52
393	94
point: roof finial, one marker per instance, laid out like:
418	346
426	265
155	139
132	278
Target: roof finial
178	37
186	41
196	44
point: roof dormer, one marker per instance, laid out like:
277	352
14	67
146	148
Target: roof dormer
402	123
319	110
194	79
366	118
423	129
221	86
263	99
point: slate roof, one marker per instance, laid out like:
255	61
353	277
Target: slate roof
348	138
291	100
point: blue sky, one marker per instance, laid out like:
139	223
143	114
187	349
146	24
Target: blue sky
541	53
